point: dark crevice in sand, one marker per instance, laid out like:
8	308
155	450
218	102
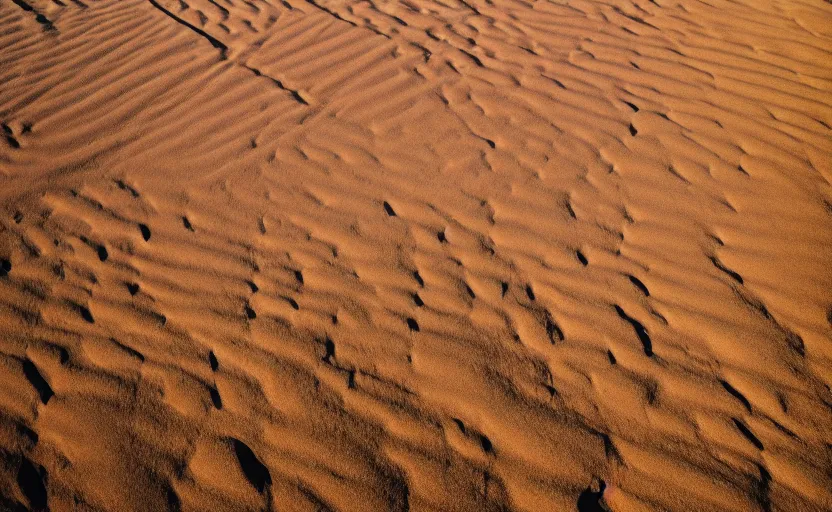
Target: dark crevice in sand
294	93
32	481
591	499
639	329
37	381
216	43
736	394
254	470
638	284
40	18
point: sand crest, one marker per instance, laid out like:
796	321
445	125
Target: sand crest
416	255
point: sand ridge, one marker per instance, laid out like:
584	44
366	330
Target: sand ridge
428	255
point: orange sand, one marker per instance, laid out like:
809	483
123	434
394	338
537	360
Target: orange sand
416	255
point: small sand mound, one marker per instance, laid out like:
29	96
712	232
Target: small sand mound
415	255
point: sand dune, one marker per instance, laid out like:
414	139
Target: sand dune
416	255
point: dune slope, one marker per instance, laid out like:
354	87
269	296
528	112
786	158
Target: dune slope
430	255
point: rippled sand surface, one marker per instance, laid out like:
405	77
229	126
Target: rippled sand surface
428	255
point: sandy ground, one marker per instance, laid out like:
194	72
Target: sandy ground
427	255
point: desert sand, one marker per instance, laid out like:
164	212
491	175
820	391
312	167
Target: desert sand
448	255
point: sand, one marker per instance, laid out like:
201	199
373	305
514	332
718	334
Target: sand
416	255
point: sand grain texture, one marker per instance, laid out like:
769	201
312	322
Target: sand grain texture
416	255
